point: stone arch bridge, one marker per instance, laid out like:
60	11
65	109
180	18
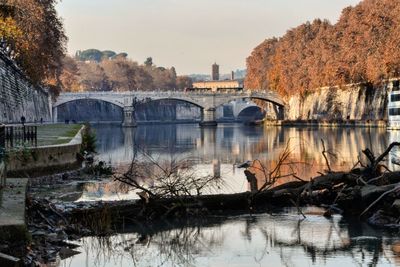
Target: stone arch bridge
207	101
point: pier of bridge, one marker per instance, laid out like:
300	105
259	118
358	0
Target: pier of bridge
207	101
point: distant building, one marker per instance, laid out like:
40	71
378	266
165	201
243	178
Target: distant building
215	72
217	85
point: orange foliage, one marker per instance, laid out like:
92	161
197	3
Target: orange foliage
362	47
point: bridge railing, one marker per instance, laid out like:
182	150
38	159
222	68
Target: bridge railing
163	92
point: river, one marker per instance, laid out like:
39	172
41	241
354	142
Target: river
279	239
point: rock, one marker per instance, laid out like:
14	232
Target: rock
382	219
7	260
39	233
67	253
396	206
65	176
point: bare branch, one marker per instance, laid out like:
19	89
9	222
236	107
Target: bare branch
324	153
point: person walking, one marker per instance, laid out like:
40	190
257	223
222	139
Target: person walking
23	120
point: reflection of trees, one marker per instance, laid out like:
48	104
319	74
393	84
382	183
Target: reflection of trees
336	242
148	246
283	237
344	145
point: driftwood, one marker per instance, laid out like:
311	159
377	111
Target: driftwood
387	191
289	194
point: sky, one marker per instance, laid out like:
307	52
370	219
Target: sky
188	34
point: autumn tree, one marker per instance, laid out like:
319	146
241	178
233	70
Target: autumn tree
96	70
69	75
92	77
361	47
37	34
183	82
120	74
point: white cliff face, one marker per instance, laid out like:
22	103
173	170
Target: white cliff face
350	103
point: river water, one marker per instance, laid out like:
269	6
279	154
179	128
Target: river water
281	239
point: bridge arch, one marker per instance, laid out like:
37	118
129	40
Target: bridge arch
88	109
251	113
276	104
168	110
269	100
114	102
273	101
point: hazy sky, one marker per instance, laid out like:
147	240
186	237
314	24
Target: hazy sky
188	34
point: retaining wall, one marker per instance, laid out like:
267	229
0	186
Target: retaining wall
37	161
2	173
18	97
358	102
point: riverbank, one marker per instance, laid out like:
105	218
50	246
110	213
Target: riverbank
328	124
13	229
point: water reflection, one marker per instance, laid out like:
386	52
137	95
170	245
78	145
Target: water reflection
233	143
264	240
219	149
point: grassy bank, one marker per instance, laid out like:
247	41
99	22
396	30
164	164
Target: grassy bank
55	134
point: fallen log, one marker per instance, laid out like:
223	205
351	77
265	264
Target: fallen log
393	189
371	192
288	194
386	178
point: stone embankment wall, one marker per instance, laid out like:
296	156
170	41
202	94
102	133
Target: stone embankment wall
18	97
2	174
46	159
350	103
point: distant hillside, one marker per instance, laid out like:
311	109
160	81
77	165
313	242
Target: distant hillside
363	46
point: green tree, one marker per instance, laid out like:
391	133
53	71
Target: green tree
149	62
